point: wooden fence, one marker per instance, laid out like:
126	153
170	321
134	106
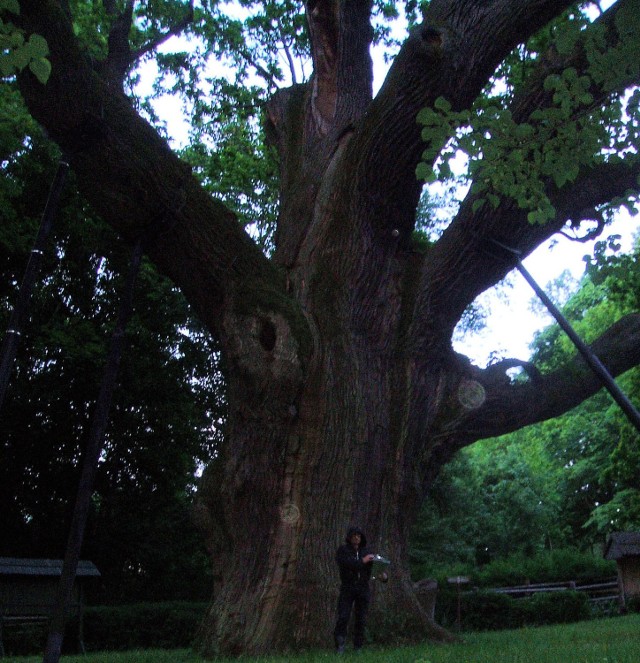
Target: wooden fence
597	592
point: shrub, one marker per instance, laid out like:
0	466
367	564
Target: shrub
170	625
24	639
489	611
548	566
633	604
483	610
557	608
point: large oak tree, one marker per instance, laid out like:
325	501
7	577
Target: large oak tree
345	395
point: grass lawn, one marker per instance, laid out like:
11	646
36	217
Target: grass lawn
613	640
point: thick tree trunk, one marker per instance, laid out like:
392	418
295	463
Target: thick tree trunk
285	508
322	437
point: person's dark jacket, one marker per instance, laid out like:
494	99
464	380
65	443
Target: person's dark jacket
353	572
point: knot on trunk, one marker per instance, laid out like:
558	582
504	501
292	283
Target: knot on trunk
266	353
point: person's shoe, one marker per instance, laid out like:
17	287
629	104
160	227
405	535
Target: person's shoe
340	645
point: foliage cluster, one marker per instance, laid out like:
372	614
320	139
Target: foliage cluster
595	448
512	157
489	503
565	483
166	625
17	51
222	78
167	414
547	566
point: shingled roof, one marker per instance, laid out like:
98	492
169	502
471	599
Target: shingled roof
42	567
622	544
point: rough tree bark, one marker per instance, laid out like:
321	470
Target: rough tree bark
345	396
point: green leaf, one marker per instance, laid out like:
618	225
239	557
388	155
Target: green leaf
559	177
425	116
41	69
445	170
572	172
551	82
478	203
535	217
424	171
6	67
14	39
494	200
524	131
442	104
38	47
566	40
20	58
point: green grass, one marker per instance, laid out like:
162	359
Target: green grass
613	640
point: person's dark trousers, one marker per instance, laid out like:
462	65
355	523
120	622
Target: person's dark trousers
361	606
358	597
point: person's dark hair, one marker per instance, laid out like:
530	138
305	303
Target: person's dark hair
356	530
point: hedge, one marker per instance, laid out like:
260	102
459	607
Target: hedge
485	610
171	625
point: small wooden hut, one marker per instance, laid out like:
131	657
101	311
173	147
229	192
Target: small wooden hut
624	548
28	591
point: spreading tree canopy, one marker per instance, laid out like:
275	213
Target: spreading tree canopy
345	396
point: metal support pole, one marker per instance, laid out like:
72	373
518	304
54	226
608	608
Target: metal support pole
589	356
19	313
90	465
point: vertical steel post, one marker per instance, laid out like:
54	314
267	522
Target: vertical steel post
90	465
19	313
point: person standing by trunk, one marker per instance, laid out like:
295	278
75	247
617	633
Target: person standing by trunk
355	563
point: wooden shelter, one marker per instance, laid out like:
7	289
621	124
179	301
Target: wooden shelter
28	591
624	548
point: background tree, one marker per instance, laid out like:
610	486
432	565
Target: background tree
564	483
345	396
595	447
494	500
167	416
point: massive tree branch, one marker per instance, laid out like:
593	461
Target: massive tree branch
510	406
160	39
340	39
135	182
471	260
467	250
309	123
452	54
